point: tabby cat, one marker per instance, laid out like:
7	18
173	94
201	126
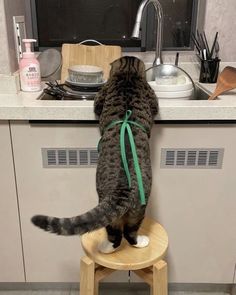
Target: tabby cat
119	208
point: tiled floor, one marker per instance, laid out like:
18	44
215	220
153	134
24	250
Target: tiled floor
102	292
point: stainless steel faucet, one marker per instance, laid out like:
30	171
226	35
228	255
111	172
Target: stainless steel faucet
159	16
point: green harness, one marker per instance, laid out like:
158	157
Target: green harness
126	128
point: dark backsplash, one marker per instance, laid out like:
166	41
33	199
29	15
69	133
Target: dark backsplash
111	22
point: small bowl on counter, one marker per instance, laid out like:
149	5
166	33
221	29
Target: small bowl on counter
85	74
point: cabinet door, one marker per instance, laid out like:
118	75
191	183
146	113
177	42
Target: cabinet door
11	260
196	206
58	192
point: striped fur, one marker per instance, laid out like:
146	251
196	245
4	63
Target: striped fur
104	214
119	208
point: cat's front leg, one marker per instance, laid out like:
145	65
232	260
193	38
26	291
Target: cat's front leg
131	233
114	237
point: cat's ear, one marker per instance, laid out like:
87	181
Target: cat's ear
99	100
153	102
115	66
141	69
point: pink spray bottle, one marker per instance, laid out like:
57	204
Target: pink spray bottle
30	78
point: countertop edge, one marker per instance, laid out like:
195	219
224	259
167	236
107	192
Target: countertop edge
27	106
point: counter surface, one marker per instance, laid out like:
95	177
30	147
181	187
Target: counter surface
27	106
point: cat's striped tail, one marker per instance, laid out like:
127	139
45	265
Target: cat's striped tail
102	215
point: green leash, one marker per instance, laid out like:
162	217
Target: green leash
125	127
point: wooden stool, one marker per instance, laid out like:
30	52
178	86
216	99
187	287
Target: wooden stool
146	262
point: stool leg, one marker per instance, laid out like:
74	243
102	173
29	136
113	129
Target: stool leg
87	277
160	284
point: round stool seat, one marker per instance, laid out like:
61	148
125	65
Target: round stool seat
127	257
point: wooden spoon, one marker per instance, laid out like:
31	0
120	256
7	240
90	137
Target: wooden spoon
226	81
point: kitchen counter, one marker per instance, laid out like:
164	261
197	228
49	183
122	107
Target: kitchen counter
26	106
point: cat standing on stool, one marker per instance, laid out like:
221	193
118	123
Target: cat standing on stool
119	208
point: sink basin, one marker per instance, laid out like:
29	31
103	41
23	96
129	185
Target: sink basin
56	91
200	93
82	96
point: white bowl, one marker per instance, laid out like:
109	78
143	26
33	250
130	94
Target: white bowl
85	74
172	87
186	94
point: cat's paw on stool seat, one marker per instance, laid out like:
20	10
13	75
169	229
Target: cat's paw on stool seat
142	241
106	247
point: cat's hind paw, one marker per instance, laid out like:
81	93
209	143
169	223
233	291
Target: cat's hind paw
106	247
142	242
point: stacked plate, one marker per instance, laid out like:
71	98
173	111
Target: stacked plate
180	88
86	78
80	86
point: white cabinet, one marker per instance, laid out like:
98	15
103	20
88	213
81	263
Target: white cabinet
11	259
197	206
61	192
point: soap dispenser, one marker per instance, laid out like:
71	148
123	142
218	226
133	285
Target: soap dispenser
30	78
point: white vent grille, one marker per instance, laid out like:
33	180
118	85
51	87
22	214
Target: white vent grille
69	157
73	157
51	157
62	157
192	158
93	157
83	157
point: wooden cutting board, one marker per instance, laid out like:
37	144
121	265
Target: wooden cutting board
98	55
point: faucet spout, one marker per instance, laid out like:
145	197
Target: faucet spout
159	17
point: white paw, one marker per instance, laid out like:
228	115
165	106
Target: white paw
106	247
142	241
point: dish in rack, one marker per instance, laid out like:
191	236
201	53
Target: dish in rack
84	84
85	74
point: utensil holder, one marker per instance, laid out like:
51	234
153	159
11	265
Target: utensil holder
209	71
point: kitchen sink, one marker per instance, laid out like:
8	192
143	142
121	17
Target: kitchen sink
80	96
199	94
